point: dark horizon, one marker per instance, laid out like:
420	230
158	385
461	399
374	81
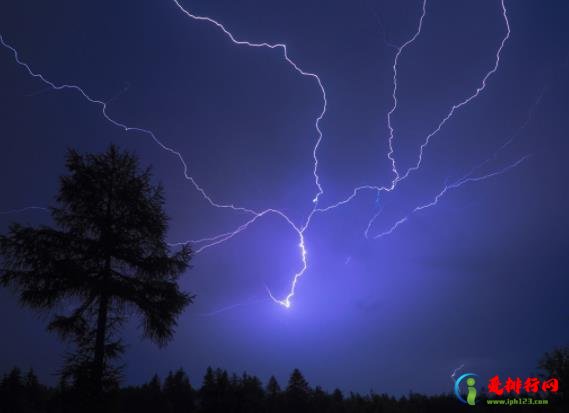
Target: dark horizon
479	280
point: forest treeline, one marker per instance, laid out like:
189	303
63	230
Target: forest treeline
221	392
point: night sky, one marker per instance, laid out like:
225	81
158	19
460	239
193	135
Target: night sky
480	279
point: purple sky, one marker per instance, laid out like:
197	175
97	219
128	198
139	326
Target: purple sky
479	279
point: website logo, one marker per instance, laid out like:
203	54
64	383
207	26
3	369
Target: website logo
471	390
532	390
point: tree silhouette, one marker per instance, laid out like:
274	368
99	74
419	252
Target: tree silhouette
12	388
250	394
297	392
179	392
556	364
273	387
208	392
273	395
107	259
152	395
230	394
337	401
34	391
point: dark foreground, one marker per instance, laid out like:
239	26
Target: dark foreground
221	392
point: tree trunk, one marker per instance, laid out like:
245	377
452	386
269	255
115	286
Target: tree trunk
100	339
99	361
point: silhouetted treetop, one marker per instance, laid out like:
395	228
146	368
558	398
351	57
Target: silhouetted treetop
297	383
273	387
107	255
556	364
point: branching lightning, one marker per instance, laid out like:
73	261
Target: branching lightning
203	244
104	111
20	210
449	115
296	67
469	99
447	188
394	94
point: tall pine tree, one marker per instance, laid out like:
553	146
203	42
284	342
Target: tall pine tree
107	258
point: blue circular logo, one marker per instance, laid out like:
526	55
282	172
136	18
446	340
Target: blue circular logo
471	390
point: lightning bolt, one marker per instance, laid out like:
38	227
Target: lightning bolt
453	374
514	136
104	111
209	242
216	240
25	209
469	99
448	116
394	94
468	177
449	187
232	307
295	66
